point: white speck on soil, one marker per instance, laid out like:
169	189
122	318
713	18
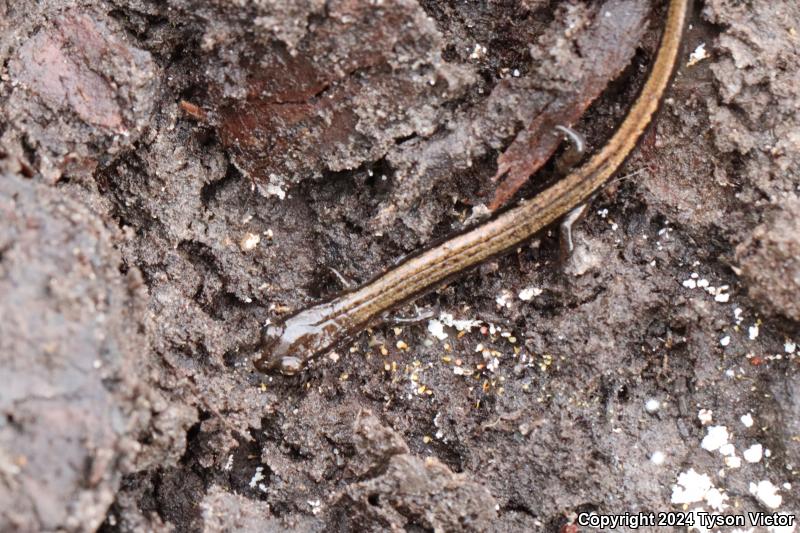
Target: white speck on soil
652	405
275	190
727	449
722	297
503	300
754	453
716	499
733	461
697	55
747	420
705	416
716	437
766	493
478	51
258	476
249	241
690	488
436	328
529	293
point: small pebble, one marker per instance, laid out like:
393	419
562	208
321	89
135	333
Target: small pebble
753	454
652	405
657	458
766	493
716	437
249	241
732	461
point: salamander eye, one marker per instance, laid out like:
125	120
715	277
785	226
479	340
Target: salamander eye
271	334
267	360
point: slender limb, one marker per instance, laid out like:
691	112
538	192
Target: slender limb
567	245
419	316
576	151
343	280
577	148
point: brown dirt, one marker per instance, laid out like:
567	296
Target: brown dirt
344	135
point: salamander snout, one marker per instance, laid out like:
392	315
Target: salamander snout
289	365
271	352
289	345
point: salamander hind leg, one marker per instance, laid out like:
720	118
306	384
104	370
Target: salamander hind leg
573	155
567	245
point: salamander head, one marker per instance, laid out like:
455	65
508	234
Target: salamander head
288	346
274	352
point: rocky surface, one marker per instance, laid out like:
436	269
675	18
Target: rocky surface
70	345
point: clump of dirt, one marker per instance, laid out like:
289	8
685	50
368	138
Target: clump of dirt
770	260
405	490
80	95
178	173
70	348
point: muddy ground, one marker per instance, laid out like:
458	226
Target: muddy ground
177	173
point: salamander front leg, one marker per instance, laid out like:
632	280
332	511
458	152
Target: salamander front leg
420	315
570	158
